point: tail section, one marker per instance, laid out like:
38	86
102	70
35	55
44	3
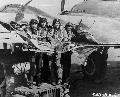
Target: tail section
62	5
20	14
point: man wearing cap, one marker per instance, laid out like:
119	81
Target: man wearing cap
56	37
23	26
33	24
57	30
43	29
42	59
29	31
69	31
66	57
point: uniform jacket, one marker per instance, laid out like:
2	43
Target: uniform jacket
42	32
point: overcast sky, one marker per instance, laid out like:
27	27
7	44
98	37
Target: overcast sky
50	6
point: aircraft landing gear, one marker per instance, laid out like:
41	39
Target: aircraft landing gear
95	67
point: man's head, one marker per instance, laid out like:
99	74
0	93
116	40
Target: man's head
24	25
43	22
33	23
69	27
56	23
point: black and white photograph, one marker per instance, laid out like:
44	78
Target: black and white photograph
59	48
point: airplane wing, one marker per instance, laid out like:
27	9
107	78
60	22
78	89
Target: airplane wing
106	27
7	26
104	30
33	42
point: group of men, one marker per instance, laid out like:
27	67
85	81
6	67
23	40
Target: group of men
53	68
50	68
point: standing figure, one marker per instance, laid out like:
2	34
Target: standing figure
43	29
69	32
66	57
57	30
42	59
32	33
33	28
55	63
